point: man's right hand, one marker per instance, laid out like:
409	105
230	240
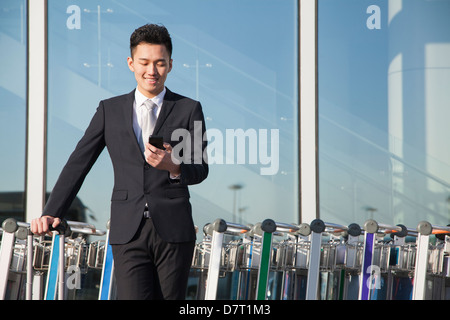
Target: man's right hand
40	226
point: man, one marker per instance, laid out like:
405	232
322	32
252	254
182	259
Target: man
151	229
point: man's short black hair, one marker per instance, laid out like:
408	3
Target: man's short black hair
153	34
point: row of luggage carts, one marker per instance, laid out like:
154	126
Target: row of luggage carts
265	261
323	261
31	266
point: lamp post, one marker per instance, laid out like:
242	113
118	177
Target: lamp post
235	188
197	66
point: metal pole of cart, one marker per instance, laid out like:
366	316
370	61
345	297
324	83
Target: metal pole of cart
369	278
24	233
317	227
425	229
218	228
365	284
29	288
268	226
55	275
106	280
7	246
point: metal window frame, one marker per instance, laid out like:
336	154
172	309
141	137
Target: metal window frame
308	111
36	108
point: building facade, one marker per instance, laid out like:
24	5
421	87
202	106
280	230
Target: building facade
331	109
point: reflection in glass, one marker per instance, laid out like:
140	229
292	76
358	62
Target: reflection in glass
13	44
383	105
244	73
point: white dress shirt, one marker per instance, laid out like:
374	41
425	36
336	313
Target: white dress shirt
139	99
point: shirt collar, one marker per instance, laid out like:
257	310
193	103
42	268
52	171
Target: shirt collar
140	98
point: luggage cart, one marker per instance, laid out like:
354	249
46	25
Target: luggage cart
9	227
248	257
339	259
216	262
425	229
352	263
33	257
200	261
15	259
78	271
263	236
398	277
245	266
217	230
442	271
292	260
374	257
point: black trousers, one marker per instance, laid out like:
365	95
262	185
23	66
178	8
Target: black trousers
148	268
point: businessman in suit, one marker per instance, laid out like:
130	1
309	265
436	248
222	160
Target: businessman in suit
151	228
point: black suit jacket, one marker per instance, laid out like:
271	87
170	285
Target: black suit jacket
136	182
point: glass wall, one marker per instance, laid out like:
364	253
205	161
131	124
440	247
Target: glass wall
227	55
13	87
384	104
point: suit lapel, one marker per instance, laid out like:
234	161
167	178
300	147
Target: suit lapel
166	109
128	116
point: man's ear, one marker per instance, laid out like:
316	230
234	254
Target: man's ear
130	63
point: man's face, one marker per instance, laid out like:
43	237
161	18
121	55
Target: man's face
151	64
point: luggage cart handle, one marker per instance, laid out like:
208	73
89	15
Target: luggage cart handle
426	228
85	228
270	226
303	229
317	226
62	228
65	227
10	225
371	226
221	226
237	228
286	228
352	229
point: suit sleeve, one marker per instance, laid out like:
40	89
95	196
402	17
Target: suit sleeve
196	169
77	167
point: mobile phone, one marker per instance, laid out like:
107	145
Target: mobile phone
157	142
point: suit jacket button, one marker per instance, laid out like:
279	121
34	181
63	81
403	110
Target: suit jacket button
146	166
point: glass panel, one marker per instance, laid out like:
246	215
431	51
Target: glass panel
384	73
241	68
13	86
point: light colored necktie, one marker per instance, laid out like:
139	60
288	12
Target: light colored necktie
148	120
